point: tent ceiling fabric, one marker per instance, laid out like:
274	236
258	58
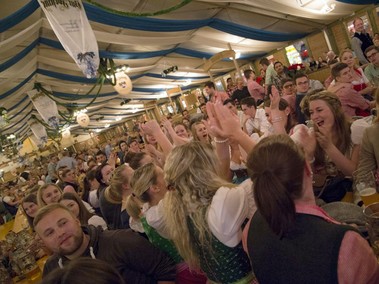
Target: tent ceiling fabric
30	51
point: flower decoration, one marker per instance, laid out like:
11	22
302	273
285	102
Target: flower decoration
4	120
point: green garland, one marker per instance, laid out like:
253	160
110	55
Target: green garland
131	14
106	74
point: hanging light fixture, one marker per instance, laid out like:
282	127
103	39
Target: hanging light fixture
66	133
82	119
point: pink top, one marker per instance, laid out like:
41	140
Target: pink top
350	99
255	90
356	260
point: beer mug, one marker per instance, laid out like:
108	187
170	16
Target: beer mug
365	183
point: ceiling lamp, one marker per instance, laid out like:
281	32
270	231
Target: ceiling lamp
123	84
66	133
82	119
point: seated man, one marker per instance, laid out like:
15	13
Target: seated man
133	256
343	88
240	92
289	92
255	90
256	120
372	70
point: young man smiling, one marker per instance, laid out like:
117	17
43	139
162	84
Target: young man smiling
255	119
343	88
134	257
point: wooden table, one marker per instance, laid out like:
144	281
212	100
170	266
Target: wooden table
18	224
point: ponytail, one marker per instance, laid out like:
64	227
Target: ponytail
276	167
274	203
132	207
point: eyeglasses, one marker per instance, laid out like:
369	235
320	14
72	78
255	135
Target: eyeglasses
287	86
372	55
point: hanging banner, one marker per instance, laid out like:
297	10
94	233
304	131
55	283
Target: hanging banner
46	107
39	132
70	24
36	142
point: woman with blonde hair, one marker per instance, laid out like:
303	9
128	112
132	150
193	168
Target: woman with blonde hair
47	194
210	210
360	82
111	201
200	132
51	193
149	188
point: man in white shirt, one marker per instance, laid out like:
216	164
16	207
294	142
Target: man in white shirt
256	121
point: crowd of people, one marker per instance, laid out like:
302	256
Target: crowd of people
230	194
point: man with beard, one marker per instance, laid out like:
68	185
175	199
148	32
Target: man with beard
133	256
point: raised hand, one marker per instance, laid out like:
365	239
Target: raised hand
306	138
166	123
323	139
222	121
151	127
274	98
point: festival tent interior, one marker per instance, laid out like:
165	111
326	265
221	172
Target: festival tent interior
161	44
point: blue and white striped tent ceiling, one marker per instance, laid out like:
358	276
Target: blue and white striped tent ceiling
30	52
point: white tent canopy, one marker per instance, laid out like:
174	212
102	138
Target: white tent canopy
30	52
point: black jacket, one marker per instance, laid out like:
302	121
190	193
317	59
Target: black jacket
133	256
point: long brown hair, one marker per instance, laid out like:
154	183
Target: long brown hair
84	214
276	167
32	198
341	124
